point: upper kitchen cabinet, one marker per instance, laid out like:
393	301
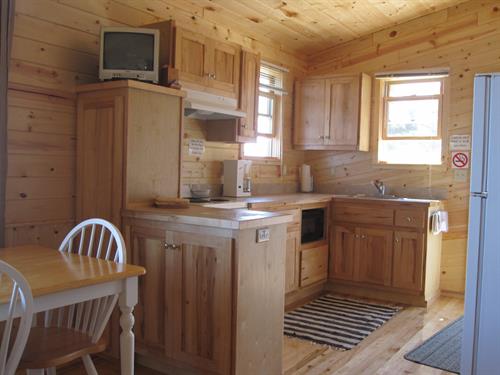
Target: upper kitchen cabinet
206	64
249	94
241	130
333	113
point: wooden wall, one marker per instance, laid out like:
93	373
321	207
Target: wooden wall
465	39
56	48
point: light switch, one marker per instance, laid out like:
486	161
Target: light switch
263	235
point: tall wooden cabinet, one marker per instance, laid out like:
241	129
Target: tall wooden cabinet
128	146
385	249
333	113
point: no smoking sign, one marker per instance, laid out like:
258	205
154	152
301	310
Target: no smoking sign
460	160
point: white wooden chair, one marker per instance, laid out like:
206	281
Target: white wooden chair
75	331
21	300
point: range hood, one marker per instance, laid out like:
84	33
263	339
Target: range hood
205	106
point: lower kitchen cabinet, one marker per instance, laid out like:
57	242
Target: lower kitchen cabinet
342	261
374	258
313	265
361	254
211	301
184	310
292	270
408	260
306	264
385	250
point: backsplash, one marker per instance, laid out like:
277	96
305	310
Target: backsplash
205	171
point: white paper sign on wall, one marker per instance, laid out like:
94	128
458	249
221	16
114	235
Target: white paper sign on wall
460	142
196	147
460	160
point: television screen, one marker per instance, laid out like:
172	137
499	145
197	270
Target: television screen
128	51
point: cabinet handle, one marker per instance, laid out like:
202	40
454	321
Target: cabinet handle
171	246
397	240
327	137
409	219
357	235
211	75
322	137
363	236
244	126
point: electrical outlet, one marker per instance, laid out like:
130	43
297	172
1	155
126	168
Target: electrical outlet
263	235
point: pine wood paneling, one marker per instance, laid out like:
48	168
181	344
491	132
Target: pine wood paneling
56	47
463	38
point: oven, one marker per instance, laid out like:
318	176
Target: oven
313	228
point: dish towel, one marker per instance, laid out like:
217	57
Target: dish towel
439	222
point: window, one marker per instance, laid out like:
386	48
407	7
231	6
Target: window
411	121
268	137
267	144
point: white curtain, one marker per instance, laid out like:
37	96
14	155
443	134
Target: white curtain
7	8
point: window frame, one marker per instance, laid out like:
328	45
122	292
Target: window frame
276	131
387	99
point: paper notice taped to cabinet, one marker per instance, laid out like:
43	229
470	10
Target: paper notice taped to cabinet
196	147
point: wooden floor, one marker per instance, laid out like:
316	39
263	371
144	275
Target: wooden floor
380	353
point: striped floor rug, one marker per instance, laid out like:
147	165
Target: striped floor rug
338	322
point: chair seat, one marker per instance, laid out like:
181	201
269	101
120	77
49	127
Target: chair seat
55	346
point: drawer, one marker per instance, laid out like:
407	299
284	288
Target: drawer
313	265
411	218
362	214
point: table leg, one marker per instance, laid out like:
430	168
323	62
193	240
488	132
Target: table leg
128	299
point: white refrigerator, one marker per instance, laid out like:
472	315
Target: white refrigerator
481	338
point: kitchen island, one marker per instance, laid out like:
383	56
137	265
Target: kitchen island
212	301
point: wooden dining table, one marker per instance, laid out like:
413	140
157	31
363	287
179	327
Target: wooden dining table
59	279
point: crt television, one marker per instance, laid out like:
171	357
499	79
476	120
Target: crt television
129	53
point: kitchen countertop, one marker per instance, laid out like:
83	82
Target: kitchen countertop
236	219
306	198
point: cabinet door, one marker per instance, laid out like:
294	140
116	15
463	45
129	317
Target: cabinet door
342	114
249	93
407	271
146	249
374	255
309	129
313	265
100	154
199	277
292	261
224	63
342	252
191	57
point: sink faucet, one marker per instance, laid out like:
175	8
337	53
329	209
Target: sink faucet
379	185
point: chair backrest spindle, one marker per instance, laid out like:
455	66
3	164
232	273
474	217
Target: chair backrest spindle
21	305
91	316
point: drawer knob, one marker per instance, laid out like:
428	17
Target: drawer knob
171	246
409	219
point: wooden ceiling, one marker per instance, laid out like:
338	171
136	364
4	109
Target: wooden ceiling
305	27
